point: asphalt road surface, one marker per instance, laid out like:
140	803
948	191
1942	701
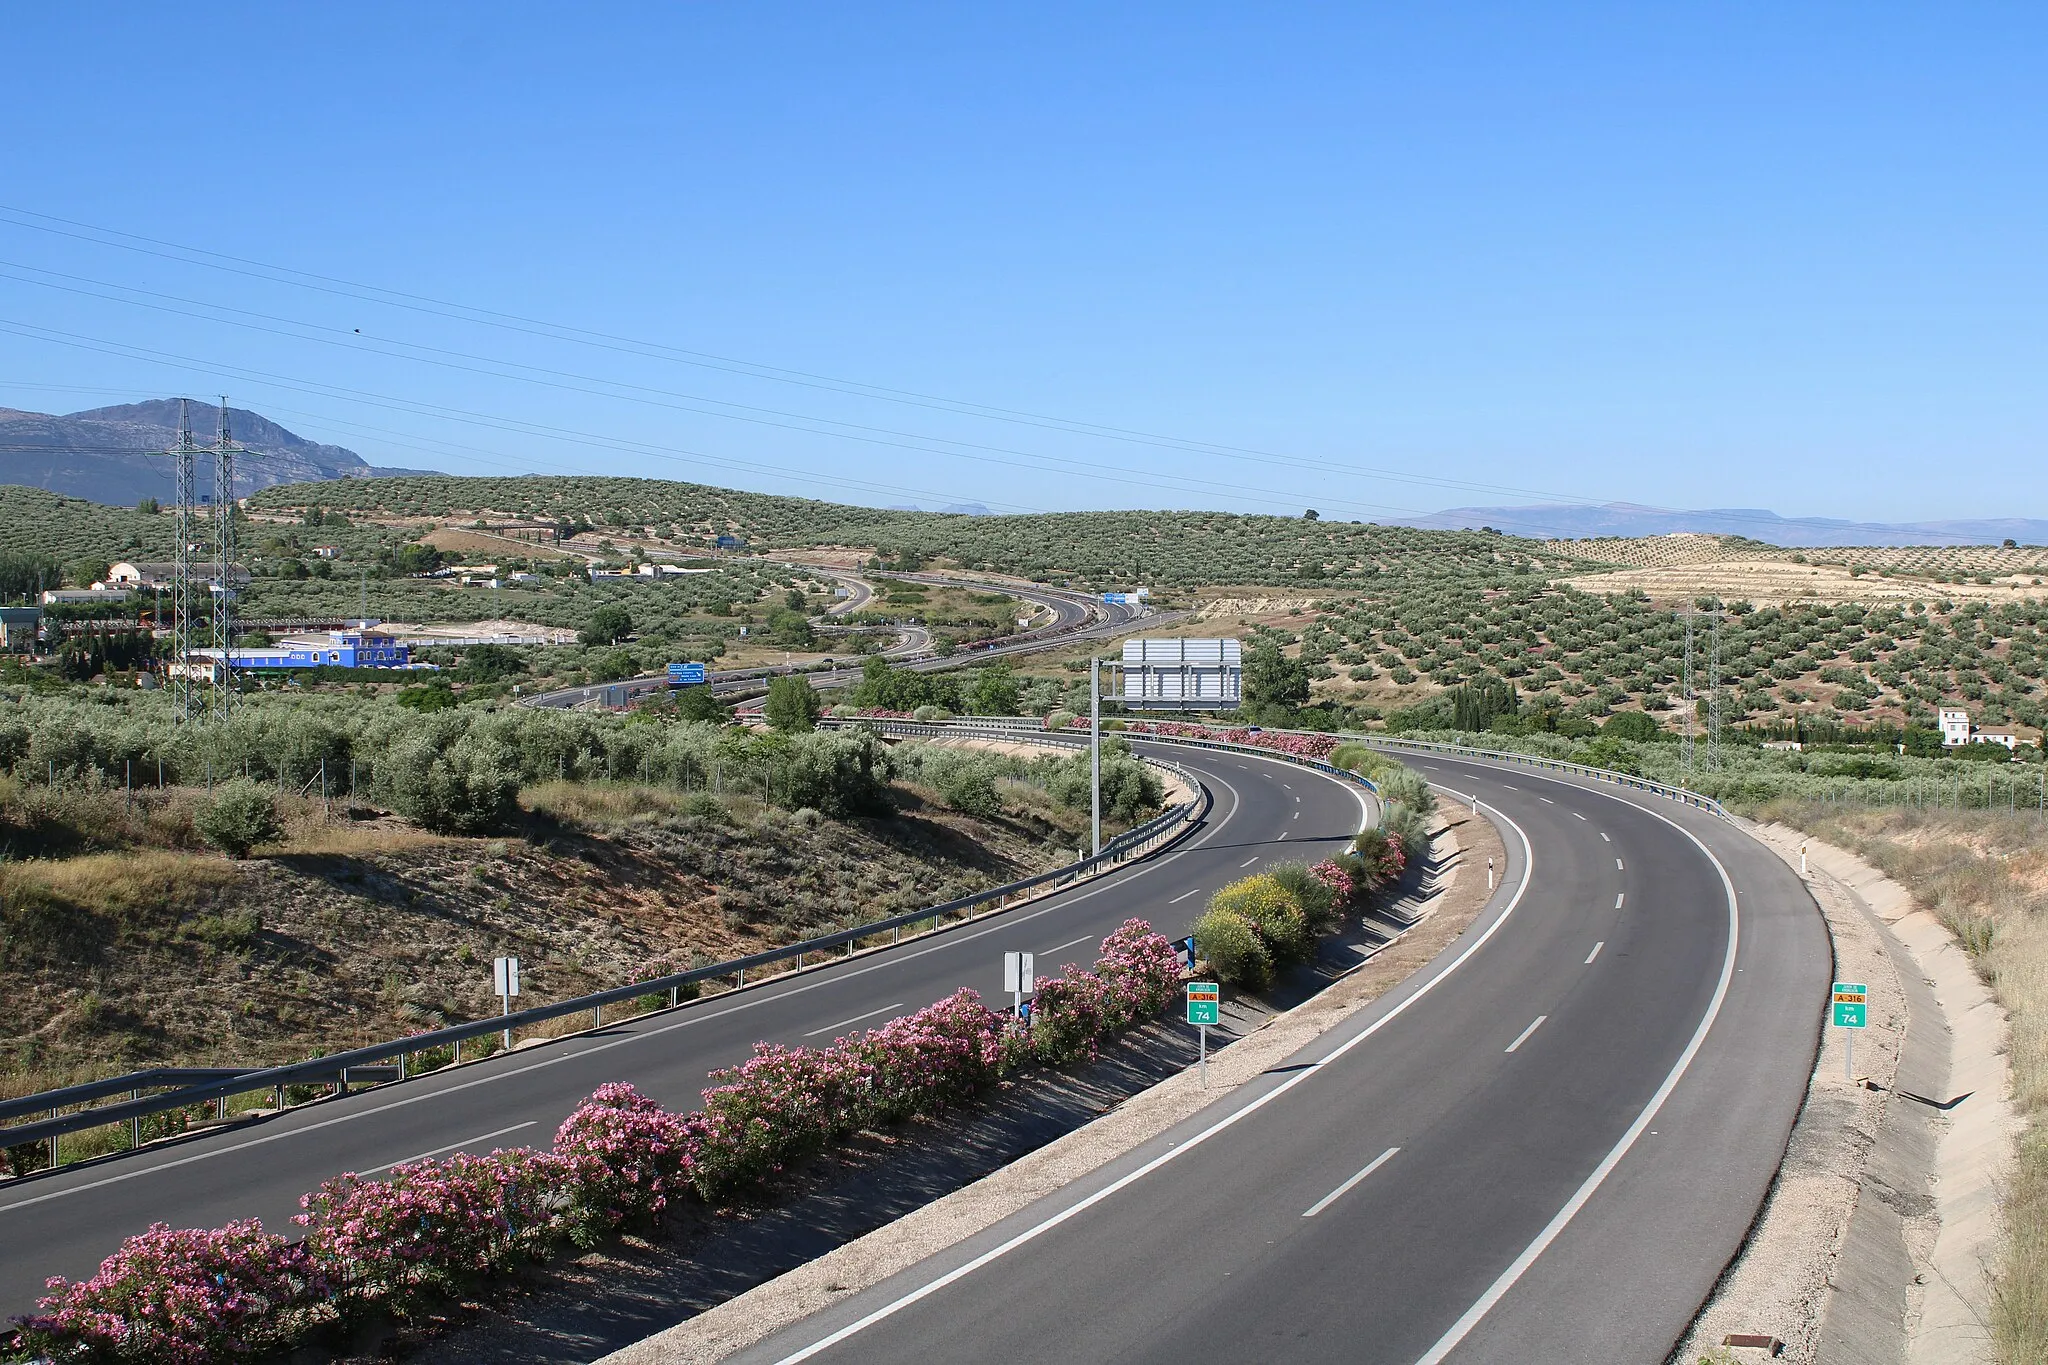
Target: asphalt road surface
1544	1147
65	1222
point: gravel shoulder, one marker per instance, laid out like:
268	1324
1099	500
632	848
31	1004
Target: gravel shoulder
1875	1242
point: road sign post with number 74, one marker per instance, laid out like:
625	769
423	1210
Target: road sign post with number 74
1852	1011
1205	1007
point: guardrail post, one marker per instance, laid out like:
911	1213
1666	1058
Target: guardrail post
675	996
597	1016
53	1145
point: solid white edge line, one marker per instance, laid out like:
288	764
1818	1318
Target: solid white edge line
1499	1288
1596	952
869	1015
480	1137
961	1272
1523	1036
1334	1195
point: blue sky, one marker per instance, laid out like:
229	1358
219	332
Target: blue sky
1372	260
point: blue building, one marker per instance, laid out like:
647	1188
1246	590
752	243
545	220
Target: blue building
358	648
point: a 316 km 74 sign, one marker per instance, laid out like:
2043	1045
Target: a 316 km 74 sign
1205	1002
1852	1002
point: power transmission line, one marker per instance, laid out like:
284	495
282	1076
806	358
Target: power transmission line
333	285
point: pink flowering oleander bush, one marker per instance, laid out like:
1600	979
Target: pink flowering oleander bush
430	1229
1301	746
1376	858
622	1159
1136	977
1337	877
177	1297
783	1104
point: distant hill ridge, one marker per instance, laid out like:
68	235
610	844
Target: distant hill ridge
1573	521
114	455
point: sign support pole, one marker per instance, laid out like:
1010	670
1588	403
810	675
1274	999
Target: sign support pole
1205	1055
1095	746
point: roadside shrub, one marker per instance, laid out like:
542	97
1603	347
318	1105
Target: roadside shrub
450	787
188	1296
1270	908
970	788
1318	901
240	816
1234	950
428	1230
1381	856
620	1158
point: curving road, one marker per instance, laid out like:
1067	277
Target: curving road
1543	1147
1076	617
64	1222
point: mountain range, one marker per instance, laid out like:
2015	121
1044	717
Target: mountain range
1575	521
115	455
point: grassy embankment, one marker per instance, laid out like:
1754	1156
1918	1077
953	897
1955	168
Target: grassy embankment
1985	874
142	947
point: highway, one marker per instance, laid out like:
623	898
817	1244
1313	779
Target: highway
1545	1146
1075	618
65	1222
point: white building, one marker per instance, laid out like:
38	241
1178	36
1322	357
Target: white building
1956	731
1955	727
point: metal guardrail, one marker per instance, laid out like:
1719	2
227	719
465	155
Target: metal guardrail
1681	795
1161	830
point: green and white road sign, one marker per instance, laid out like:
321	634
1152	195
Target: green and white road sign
1852	1003
1205	1002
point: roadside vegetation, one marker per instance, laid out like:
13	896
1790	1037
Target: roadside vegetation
1985	875
353	861
402	1248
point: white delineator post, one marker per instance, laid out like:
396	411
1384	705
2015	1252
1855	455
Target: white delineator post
1095	746
1489	874
505	981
